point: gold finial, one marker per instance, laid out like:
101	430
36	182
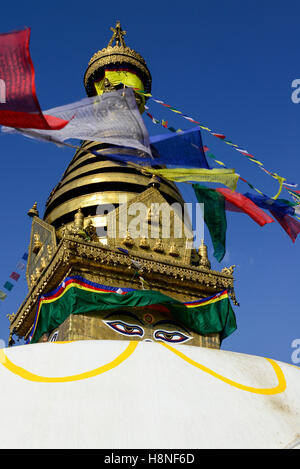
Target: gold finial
33	212
78	219
204	261
228	270
158	246
173	251
118	36
128	241
144	243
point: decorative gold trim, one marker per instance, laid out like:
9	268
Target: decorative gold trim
38	248
115	55
78	257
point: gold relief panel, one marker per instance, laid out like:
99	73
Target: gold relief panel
41	249
149	224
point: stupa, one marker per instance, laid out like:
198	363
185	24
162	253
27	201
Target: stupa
76	236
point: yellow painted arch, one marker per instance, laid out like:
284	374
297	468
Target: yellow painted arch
19	371
25	374
281	386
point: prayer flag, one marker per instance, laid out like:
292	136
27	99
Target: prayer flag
25	256
19	106
2	295
14	276
238	202
184	148
219	135
279	205
8	286
109	118
214	217
20	266
289	224
280	211
124	251
295	195
221	176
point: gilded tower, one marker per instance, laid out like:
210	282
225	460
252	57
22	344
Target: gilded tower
77	237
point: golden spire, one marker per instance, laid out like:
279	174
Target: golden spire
118	36
204	261
103	185
119	54
33	212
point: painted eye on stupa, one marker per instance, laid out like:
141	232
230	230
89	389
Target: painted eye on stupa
174	337
124	328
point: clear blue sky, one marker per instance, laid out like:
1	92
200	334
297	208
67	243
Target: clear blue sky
229	65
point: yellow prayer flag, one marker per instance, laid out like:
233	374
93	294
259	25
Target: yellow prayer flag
205	128
281	181
116	77
228	177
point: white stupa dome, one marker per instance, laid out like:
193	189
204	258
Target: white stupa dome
124	394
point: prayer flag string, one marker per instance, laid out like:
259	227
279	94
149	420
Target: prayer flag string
283	182
15	275
206	149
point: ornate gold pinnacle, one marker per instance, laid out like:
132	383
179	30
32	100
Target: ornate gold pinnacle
119	54
33	212
204	261
118	36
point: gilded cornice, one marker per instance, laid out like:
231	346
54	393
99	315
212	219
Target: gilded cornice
185	280
117	50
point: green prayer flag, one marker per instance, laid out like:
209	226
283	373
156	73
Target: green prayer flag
8	286
214	217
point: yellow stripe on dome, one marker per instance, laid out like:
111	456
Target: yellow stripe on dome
25	374
281	386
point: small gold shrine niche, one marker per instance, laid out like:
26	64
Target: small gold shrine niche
150	226
41	249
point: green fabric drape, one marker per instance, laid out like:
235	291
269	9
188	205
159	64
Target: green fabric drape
214	316
214	217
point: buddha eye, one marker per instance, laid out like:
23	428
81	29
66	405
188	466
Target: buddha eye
174	337
124	328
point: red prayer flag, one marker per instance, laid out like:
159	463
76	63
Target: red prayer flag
219	135
19	106
15	276
239	203
289	224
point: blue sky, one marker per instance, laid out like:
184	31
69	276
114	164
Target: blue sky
229	65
